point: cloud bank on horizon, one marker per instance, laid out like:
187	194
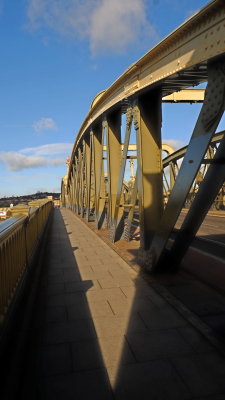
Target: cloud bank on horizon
33	157
107	25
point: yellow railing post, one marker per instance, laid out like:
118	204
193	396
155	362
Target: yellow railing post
19	238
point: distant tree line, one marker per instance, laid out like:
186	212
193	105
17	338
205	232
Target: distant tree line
24	199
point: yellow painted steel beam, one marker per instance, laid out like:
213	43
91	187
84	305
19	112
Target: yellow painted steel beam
172	157
147	123
206	125
132	147
185	96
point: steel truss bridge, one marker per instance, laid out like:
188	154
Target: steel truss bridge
192	54
49	261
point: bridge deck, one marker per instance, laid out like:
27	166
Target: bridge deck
101	332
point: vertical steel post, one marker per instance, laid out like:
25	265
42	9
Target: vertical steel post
87	144
172	174
99	176
113	141
130	217
79	182
92	179
76	185
147	123
82	192
72	188
118	220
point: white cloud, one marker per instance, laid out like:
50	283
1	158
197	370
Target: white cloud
49	149
16	161
116	24
34	157
44	124
107	25
175	144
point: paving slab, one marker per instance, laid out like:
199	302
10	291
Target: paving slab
203	374
55	360
156	380
55	314
81	385
147	346
195	339
83	286
102	332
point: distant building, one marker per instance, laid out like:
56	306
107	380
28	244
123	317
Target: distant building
56	203
3	212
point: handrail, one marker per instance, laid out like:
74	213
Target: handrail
19	238
7	226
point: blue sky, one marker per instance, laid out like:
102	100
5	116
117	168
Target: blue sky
55	57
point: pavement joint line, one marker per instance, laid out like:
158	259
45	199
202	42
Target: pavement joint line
192	318
187	314
111	307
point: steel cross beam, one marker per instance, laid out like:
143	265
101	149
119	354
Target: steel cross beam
185	96
205	127
214	179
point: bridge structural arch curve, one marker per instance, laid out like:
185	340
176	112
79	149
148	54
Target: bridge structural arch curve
97	186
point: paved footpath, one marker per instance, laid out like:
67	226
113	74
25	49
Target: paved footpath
101	332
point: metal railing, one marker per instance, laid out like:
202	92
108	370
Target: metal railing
19	238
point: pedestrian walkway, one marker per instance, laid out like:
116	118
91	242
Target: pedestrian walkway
101	332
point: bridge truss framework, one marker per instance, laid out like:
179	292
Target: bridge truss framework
94	188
